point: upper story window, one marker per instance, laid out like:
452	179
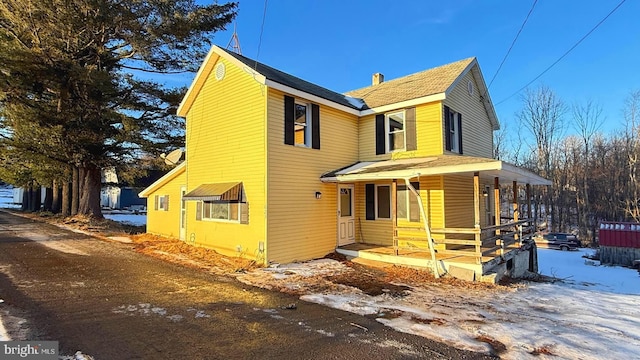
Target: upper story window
302	126
453	130
301	123
395	130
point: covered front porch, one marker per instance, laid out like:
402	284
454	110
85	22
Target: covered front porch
459	229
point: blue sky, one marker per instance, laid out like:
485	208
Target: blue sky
340	44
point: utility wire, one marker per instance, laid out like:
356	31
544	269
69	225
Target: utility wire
512	43
565	54
264	15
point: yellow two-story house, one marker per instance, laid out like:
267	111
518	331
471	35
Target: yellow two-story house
279	169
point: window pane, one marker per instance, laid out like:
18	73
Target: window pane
384	202
345	202
401	195
396	131
396	140
300	125
396	122
414	208
219	211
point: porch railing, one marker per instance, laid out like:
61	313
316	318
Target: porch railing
479	243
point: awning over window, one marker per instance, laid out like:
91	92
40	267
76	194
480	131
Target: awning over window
231	191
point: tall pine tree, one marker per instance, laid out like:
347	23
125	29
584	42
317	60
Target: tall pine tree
72	100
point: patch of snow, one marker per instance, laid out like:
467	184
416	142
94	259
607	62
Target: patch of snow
306	269
355	101
77	356
581	273
175	318
591	316
4	335
130	219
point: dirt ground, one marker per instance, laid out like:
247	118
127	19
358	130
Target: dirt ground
370	280
98	296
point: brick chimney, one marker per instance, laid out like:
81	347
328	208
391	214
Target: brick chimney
377	79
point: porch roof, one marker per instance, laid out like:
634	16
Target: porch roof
230	191
433	165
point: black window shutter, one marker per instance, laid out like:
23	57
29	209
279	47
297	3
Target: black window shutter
410	129
447	129
370	202
289	110
460	133
380	134
315	126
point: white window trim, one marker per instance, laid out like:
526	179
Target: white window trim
387	131
454	131
222	220
307	126
376	201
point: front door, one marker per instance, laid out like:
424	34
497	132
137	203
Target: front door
183	214
346	217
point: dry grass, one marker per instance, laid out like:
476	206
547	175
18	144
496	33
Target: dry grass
177	251
542	351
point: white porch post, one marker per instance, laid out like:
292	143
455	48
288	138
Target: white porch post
516	216
497	211
476	215
394	215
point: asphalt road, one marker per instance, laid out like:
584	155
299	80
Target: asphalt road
110	302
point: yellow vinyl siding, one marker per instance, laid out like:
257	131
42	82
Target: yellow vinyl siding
380	231
226	143
477	132
428	134
459	202
166	223
299	226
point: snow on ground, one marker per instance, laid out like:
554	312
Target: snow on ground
131	219
593	315
591	275
4	336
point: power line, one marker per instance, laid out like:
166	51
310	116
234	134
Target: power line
512	43
565	54
264	15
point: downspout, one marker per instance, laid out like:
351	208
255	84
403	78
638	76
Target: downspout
427	230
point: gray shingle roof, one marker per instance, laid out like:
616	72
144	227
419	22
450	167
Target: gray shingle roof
294	82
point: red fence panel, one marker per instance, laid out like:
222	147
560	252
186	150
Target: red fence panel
619	234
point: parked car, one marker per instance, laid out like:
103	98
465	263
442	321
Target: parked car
558	241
